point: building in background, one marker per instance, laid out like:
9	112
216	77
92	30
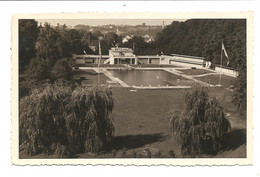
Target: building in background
119	55
122	55
127	38
147	38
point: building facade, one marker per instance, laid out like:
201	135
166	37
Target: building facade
119	55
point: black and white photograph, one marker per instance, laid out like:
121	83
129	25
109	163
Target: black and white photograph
133	88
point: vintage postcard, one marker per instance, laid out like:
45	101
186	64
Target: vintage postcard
132	88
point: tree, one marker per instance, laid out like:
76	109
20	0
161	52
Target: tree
203	38
50	48
96	34
65	119
63	42
48	45
28	33
112	38
62	70
74	39
240	84
86	41
201	126
105	47
240	89
39	69
140	46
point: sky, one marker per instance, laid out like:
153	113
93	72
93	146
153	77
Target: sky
96	22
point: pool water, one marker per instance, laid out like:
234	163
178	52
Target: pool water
150	78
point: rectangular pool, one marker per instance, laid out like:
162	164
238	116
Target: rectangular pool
153	78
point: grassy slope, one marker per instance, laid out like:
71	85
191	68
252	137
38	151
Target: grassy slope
140	122
195	71
226	81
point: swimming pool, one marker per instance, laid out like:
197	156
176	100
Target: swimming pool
152	78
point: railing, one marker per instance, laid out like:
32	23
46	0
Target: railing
226	70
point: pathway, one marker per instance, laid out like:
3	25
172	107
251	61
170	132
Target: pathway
173	71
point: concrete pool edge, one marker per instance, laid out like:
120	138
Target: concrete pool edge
123	84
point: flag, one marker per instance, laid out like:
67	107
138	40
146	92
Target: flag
225	52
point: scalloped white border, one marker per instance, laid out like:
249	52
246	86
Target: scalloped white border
125	162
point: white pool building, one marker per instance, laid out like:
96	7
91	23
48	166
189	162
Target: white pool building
120	55
123	55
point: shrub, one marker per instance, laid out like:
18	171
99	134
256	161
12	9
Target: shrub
172	153
39	69
64	120
123	152
159	154
240	92
149	152
114	153
62	70
134	154
201	125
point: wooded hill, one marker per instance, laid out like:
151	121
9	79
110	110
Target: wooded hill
203	38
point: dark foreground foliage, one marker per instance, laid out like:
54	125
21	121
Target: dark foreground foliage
240	92
201	125
64	120
240	88
28	33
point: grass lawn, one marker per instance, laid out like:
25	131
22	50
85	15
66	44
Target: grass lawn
89	77
156	66
140	122
194	71
226	81
142	115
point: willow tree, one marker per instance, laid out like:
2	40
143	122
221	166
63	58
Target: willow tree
64	120
201	125
90	110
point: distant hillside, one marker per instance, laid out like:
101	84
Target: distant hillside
203	38
138	30
198	37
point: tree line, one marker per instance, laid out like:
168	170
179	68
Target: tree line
199	37
56	114
58	42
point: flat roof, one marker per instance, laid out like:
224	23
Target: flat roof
187	56
120	49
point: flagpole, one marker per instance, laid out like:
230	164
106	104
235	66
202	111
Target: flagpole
99	60
221	63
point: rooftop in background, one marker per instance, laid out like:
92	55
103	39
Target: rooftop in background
121	49
98	22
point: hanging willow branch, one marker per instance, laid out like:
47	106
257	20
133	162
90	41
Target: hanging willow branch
201	125
64	120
